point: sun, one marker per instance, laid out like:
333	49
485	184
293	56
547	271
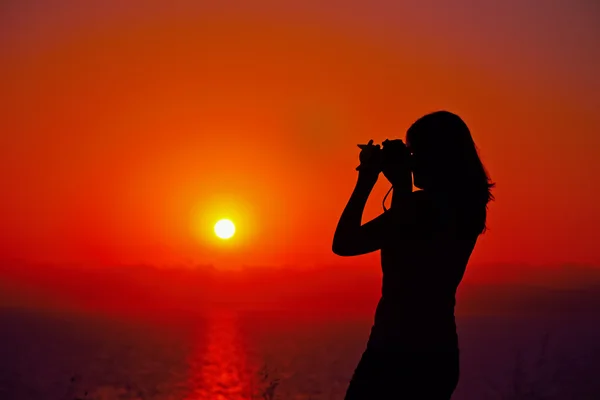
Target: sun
224	229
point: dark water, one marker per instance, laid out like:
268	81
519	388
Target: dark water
61	356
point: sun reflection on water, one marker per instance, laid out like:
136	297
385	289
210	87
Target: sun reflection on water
219	368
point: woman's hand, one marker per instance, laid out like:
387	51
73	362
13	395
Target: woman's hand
396	165
370	161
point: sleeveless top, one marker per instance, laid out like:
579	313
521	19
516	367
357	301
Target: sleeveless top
423	261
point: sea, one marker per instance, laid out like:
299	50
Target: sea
236	355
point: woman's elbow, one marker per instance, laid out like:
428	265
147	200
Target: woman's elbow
341	249
336	250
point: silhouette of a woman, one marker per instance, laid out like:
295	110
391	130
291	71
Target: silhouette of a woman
426	239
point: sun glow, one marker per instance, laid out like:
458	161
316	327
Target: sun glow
224	229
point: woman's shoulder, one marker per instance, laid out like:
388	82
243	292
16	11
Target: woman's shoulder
421	200
420	195
447	214
412	207
431	209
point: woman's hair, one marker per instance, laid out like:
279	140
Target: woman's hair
449	160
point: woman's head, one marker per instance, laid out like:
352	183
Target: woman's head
445	158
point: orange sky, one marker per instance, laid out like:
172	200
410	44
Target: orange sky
127	132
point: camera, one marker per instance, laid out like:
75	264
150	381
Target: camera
393	153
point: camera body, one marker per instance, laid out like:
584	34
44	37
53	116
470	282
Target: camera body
393	154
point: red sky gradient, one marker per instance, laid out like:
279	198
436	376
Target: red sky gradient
127	131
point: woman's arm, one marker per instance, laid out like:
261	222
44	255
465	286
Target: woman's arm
352	239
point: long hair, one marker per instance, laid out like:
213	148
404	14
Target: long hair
447	156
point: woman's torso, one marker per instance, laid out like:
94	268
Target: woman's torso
422	268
